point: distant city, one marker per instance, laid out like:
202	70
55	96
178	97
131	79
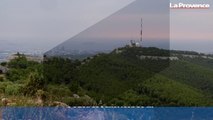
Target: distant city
6	54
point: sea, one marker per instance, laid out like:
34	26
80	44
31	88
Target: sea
4	55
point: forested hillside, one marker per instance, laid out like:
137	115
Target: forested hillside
117	78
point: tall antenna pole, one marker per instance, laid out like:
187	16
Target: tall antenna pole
141	39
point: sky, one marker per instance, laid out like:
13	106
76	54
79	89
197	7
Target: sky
43	24
124	25
192	29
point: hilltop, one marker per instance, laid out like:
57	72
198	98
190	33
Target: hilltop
125	76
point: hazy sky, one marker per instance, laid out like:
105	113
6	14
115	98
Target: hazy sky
118	29
192	29
43	24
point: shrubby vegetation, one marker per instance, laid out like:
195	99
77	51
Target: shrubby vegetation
34	83
59	70
111	79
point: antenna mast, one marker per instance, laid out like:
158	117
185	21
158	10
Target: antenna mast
141	33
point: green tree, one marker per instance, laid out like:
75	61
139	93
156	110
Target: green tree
35	82
3	63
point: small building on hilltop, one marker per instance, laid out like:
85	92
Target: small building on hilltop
134	44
